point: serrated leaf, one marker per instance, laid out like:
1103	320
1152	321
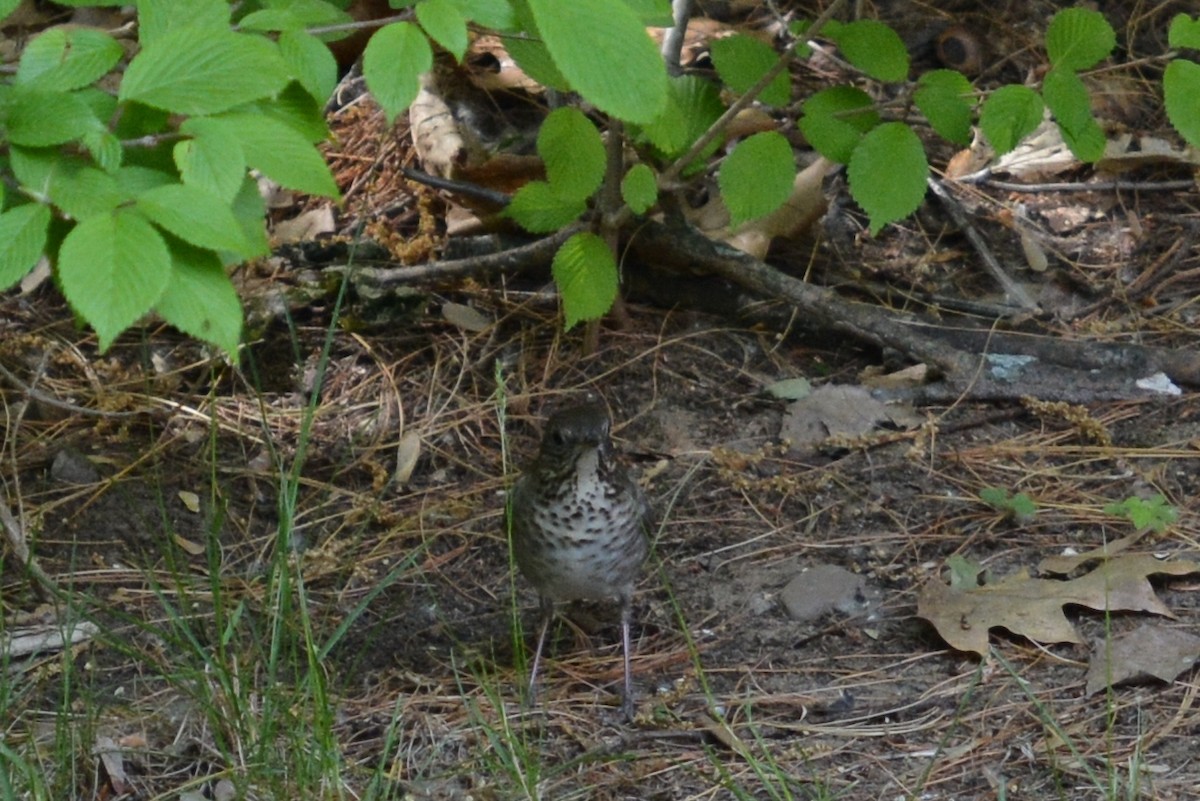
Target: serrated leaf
22	239
298	110
588	39
742	60
888	174
535	61
35	167
200	300
586	274
212	158
251	211
756	178
444	23
495	14
835	120
1181	87
112	270
190	71
80	191
280	153
639	188
39	118
693	105
64	58
537	208
392	64
105	148
1079	38
311	61
1068	100
940	97
874	48
157	18
1184	33
294	15
195	215
573	152
1009	115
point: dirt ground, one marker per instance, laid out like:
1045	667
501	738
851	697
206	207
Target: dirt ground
163	515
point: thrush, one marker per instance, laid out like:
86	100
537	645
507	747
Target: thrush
577	524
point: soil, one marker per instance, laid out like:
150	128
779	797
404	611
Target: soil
389	550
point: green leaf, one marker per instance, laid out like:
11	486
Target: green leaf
200	300
297	109
195	215
194	71
35	168
1184	33
603	50
22	239
586	274
888	174
212	159
68	58
537	208
535	61
1078	38
495	14
652	13
742	60
392	64
7	7
444	23
571	147
835	120
294	16
112	270
1009	115
311	62
105	148
1181	87
251	212
939	96
639	188
157	18
39	118
693	105
874	48
1068	100
80	191
281	153
757	177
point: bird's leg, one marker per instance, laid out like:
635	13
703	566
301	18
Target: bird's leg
547	617
627	693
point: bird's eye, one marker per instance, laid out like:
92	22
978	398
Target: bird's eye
557	437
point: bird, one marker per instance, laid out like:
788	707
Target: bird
578	524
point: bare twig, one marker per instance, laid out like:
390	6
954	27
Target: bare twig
1012	290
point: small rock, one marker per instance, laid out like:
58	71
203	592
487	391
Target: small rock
828	588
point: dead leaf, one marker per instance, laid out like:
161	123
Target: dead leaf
465	317
1068	563
1033	607
304	227
840	410
190	501
189	547
408	451
1156	651
113	762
